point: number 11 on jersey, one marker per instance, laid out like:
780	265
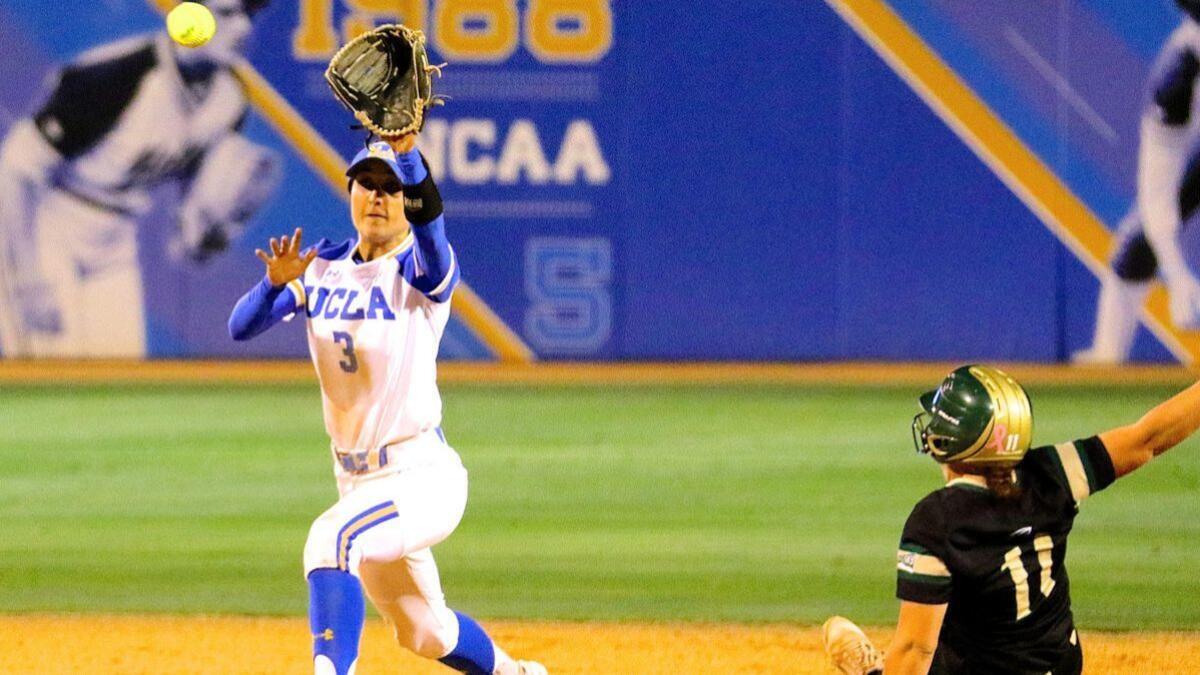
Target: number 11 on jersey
1044	546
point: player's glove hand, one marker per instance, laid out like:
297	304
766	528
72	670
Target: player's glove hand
1184	294
286	262
384	78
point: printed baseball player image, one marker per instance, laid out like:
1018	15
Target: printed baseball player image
76	180
1151	238
376	307
981	569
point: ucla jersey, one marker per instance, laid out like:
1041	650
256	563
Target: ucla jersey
373	336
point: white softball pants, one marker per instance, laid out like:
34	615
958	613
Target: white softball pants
381	530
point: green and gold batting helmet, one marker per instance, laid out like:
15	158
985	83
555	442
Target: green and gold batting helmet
978	416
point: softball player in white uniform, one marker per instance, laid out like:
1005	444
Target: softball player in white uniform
1149	240
376	309
76	177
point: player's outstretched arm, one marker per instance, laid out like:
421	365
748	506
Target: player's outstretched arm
436	272
916	638
1167	425
280	292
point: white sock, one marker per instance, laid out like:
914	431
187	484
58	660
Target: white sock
505	664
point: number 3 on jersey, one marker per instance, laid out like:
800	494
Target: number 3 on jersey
1044	546
350	364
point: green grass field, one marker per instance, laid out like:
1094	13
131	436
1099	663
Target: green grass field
663	503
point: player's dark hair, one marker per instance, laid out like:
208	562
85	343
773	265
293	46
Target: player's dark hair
1002	482
1000	479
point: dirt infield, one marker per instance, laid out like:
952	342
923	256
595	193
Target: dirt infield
133	644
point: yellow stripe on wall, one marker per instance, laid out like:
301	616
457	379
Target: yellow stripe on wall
490	328
1003	152
468	306
320	155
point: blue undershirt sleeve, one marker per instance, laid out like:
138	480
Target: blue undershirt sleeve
260	308
434	269
412	169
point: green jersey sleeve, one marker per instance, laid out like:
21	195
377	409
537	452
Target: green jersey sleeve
921	572
1083	467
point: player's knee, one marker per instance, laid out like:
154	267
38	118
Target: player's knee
320	550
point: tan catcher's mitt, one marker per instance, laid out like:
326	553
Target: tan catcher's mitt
384	78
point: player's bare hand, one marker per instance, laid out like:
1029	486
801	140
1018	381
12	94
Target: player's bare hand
285	263
402	144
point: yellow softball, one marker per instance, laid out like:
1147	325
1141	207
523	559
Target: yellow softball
191	24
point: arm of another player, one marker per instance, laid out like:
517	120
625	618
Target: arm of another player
924	584
1132	446
267	303
434	270
916	638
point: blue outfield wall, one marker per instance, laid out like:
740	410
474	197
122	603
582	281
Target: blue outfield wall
730	181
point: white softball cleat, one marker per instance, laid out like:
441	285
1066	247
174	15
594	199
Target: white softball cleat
848	648
532	668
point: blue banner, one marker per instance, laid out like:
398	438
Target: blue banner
622	180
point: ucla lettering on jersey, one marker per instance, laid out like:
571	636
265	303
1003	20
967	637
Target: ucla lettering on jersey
324	302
